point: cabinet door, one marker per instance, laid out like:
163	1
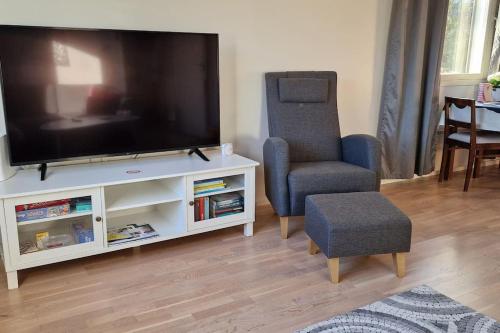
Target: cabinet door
228	194
53	227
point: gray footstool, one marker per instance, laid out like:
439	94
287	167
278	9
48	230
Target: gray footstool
356	224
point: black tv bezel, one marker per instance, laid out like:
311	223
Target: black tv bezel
131	153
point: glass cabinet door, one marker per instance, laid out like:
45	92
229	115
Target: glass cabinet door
218	198
54	225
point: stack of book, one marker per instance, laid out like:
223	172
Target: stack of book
217	206
226	204
208	186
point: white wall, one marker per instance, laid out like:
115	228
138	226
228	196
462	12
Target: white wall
256	36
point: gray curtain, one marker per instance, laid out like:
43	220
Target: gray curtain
409	114
495	51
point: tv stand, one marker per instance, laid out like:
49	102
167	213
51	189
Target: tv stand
199	153
161	191
43	171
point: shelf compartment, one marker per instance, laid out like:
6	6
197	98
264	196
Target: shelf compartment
141	194
231	208
63	231
233	184
167	219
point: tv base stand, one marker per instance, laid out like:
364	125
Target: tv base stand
43	171
90	202
199	153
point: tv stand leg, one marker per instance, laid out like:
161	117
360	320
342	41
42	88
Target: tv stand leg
248	229
12	280
199	153
43	171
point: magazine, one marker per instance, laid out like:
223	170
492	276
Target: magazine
130	232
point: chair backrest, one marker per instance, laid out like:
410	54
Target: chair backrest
452	125
302	109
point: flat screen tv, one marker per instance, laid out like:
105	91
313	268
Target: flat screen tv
72	93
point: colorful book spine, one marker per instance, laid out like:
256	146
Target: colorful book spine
202	208
202	183
202	188
207	207
229	213
196	210
230	204
209	190
221	211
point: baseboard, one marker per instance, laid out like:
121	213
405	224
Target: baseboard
435	173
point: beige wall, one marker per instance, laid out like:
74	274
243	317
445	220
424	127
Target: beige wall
256	36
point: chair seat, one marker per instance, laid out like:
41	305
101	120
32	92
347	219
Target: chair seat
307	178
481	138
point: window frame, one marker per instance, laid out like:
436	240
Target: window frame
464	79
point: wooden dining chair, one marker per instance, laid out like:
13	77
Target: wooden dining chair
465	135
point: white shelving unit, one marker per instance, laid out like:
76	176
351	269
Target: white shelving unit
158	191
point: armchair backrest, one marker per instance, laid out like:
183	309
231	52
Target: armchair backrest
302	109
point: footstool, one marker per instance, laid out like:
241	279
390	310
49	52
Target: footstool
356	224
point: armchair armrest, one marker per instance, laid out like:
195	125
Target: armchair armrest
364	151
276	168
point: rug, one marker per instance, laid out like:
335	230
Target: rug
421	309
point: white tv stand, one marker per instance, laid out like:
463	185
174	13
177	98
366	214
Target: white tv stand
158	191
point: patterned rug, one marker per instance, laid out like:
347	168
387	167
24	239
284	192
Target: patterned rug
420	309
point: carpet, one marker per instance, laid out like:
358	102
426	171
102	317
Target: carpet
421	309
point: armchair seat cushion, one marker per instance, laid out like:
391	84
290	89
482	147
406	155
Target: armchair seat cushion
307	178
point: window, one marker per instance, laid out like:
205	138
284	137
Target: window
467	40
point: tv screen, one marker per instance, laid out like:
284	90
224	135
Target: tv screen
72	93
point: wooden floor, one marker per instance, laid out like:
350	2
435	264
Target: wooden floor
225	282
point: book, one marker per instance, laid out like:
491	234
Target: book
222	211
202	188
209	191
230	204
208	182
206	204
130	232
196	210
229	213
227	198
202	208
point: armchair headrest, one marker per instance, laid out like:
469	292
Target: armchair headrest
303	90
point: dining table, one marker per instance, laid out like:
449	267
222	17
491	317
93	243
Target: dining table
492	106
487	116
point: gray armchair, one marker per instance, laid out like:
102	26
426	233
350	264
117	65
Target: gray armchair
305	153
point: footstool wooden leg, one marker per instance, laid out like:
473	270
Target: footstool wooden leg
399	264
313	248
334	267
284	226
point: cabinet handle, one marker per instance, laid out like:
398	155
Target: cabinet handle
191	203
98	218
